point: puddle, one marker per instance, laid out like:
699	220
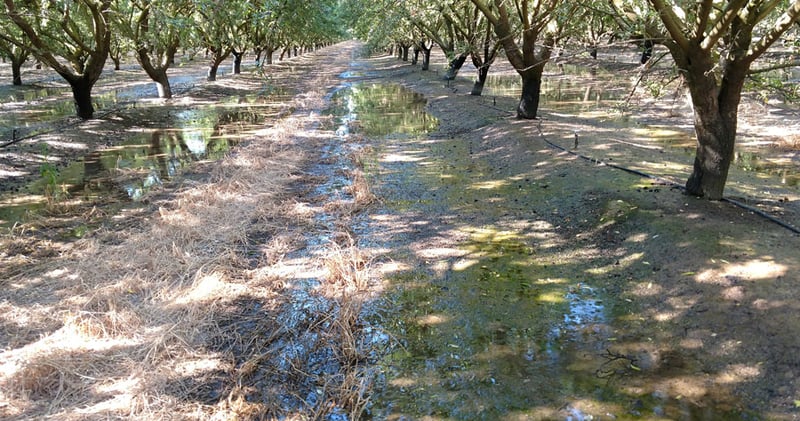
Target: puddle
379	110
568	91
30	110
31	117
506	324
597	94
143	161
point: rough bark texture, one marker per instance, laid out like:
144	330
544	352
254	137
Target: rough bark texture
16	72
529	100
647	51
715	122
237	62
426	56
454	66
82	94
480	82
211	75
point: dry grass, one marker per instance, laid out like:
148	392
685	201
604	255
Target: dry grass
192	311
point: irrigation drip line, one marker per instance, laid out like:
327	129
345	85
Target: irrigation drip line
103	113
667	181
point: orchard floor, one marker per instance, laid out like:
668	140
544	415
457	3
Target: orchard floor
470	270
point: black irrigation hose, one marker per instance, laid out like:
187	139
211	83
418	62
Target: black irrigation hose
736	203
104	113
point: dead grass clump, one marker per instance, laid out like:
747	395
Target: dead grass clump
107	324
361	191
346	268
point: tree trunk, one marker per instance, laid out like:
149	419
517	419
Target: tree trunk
404	50
211	75
16	71
713	157
268	55
415	59
82	94
477	88
647	51
426	57
531	88
716	111
237	62
162	84
455	66
217	57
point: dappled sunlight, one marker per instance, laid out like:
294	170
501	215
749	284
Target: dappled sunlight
433	319
208	287
409	156
738	373
624	262
489	185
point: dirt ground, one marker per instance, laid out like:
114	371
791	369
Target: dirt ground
263	285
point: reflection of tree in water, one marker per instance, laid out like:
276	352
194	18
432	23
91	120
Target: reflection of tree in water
162	156
381	109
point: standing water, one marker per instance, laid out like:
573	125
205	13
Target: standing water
140	162
494	314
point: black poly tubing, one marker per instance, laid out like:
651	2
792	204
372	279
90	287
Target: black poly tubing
736	203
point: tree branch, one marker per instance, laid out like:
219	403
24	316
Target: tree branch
722	23
782	25
673	24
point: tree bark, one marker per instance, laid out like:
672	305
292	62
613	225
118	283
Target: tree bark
647	51
268	54
454	66
531	88
715	123
211	75
163	86
82	94
404	50
483	72
426	56
415	58
217	57
16	71
237	62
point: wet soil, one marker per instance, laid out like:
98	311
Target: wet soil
512	278
528	283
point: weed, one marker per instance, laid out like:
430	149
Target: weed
49	173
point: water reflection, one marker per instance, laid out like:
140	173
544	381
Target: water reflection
381	109
142	161
787	172
26	119
574	88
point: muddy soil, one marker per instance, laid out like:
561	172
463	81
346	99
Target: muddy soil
511	279
531	280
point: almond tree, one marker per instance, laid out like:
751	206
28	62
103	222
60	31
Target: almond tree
156	30
222	27
714	43
472	27
16	53
73	38
528	32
